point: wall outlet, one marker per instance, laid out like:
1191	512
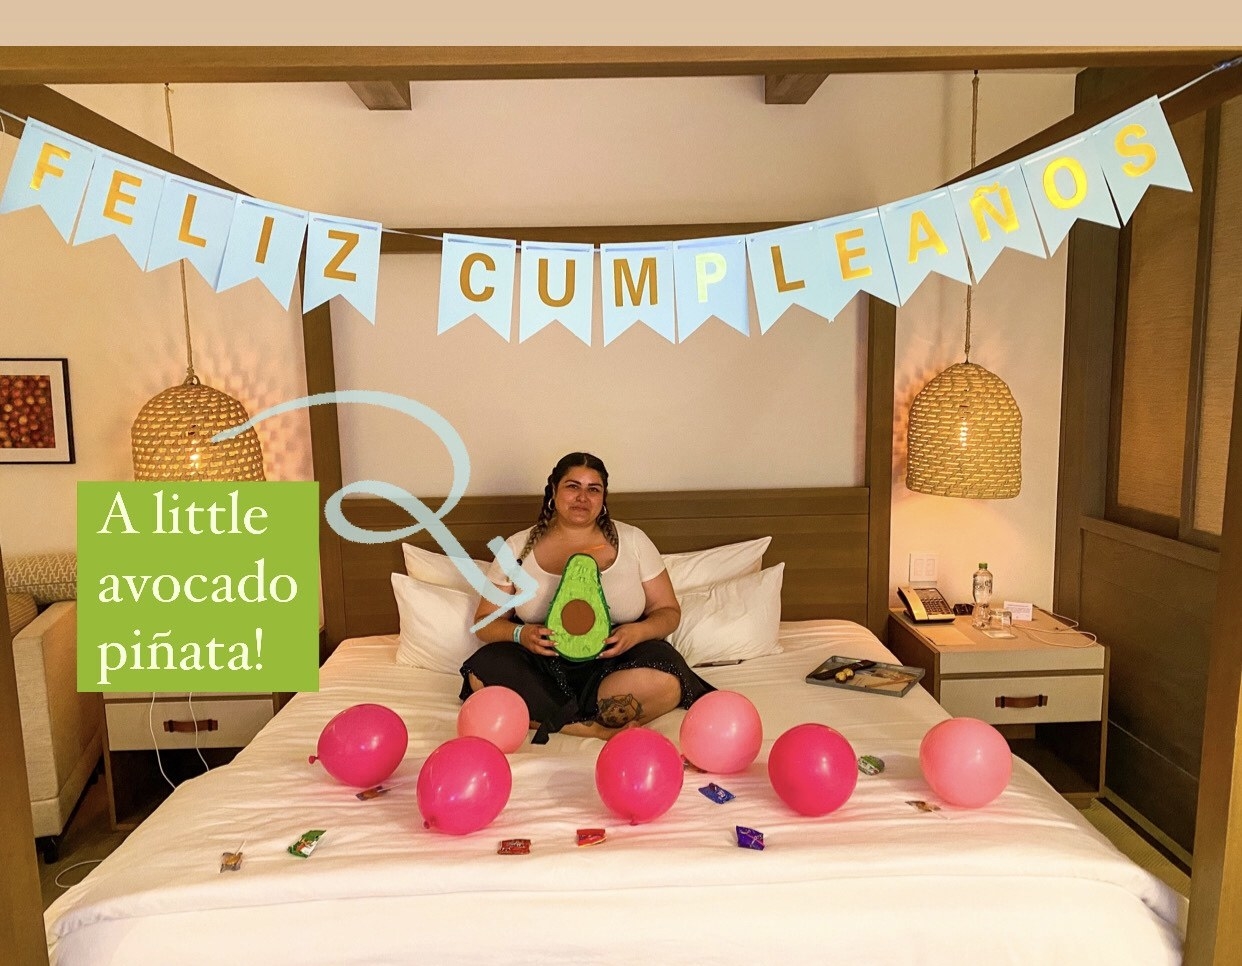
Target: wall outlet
924	567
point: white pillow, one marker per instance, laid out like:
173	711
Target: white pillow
731	620
438	569
699	568
435	625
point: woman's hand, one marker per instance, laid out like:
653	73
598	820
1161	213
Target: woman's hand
538	640
624	636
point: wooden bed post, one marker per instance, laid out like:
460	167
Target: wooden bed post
1214	929
881	357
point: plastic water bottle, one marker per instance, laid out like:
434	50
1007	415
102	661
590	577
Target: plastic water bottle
981	587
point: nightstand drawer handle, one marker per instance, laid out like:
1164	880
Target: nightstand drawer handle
1034	701
189	727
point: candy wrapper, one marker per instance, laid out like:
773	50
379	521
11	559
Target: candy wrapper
514	847
924	806
590	836
870	765
716	793
305	845
748	838
230	861
374	792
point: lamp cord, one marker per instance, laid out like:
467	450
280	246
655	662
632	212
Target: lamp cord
185	300
974	150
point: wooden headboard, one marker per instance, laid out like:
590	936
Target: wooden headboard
834	541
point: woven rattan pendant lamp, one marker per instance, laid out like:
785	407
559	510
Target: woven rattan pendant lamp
964	436
171	437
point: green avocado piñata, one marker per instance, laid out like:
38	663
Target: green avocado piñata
578	617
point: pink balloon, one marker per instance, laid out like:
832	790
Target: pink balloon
362	745
497	714
463	785
721	732
813	769
638	775
966	761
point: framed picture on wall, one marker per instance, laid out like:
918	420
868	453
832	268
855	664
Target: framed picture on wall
36	425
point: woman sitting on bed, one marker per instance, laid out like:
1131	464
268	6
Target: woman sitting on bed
639	675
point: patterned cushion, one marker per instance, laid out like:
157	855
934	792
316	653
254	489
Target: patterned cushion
47	577
22	610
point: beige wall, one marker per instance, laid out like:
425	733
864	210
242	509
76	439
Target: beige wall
719	411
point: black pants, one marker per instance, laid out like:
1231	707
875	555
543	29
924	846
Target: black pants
557	691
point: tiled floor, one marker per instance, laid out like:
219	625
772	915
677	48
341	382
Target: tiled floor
89	837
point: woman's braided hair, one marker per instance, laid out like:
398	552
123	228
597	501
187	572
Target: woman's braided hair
548	509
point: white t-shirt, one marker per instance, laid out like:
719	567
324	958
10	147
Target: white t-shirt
637	561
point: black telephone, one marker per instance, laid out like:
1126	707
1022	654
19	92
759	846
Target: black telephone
925	604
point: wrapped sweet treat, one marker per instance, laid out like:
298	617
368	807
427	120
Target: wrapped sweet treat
590	836
716	793
870	765
748	838
514	847
306	843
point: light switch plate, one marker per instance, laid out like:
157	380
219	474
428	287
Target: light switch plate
924	567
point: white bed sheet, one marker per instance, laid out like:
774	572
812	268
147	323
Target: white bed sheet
1024	880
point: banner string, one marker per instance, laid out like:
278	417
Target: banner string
1224	65
185	298
974	150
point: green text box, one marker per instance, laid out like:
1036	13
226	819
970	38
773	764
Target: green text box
166	569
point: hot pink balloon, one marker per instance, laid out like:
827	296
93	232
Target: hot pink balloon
497	714
966	761
362	745
813	769
721	732
638	775
463	785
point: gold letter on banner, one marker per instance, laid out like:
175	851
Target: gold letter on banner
570	273
116	196
1054	193
265	239
778	266
187	218
845	255
333	268
981	207
709	268
476	258
921	224
45	165
646	274
1145	151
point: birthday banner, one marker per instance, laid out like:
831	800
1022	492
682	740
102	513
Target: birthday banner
672	287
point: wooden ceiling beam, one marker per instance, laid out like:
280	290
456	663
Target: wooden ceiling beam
380	95
791	88
149	65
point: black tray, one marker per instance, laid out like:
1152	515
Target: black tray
893	680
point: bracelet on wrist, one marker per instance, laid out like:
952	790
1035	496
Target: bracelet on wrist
517	633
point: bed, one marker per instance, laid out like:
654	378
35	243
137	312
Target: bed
1024	880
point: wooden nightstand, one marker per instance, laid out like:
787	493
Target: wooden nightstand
225	723
1050	702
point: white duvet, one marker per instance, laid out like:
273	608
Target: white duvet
1023	880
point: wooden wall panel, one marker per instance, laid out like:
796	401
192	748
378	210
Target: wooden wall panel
1154	612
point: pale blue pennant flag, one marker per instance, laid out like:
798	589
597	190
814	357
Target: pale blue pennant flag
558	285
122	197
710	279
787	268
1066	183
265	242
476	278
923	237
342	258
50	170
193	222
637	283
994	212
855	258
1136	150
